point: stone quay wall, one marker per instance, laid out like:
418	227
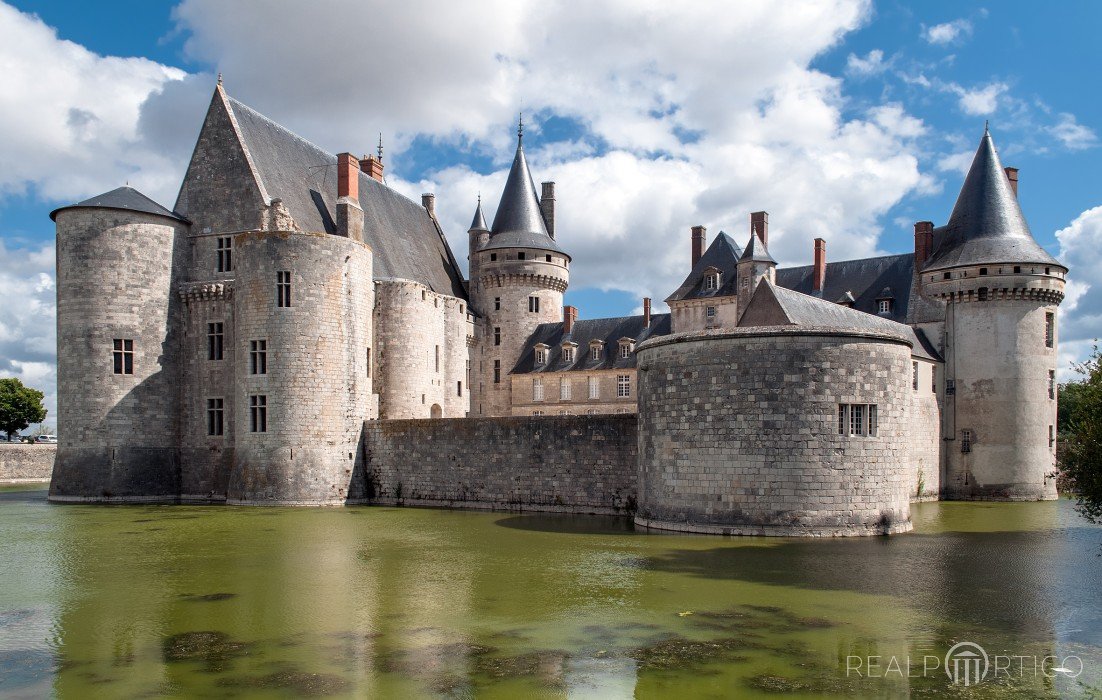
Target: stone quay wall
21	464
574	464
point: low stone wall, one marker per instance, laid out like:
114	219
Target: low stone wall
575	464
26	463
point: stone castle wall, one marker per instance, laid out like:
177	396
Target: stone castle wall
739	433
925	434
26	463
574	464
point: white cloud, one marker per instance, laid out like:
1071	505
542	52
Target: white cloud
872	63
956	162
1080	315
1073	135
28	319
947	32
979	101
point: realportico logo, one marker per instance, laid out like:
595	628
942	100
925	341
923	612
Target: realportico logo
966	664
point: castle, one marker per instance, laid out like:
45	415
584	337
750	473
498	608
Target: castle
241	346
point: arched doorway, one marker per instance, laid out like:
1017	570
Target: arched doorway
436	411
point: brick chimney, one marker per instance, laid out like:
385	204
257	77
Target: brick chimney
569	316
819	271
646	312
759	221
350	218
428	201
924	242
373	167
699	235
547	207
1012	175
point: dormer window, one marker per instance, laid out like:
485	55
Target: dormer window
568	353
596	348
885	306
711	279
626	347
541	354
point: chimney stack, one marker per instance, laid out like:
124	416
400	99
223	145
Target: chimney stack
646	312
428	201
819	271
569	315
759	221
699	234
373	167
547	208
350	218
924	242
1012	175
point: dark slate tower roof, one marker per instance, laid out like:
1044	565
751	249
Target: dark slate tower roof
519	222
986	226
722	255
756	251
125	198
479	221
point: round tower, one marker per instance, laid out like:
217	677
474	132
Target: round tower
518	277
305	301
118	258
1001	291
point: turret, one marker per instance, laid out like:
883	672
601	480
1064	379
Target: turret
1001	291
756	263
519	274
479	235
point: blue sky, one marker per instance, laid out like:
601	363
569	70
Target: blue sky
843	118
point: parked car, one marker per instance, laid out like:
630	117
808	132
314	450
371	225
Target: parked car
46	439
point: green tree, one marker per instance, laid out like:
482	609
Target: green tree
19	406
1081	461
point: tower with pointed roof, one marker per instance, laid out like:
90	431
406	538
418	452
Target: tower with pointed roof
518	276
1001	291
754	265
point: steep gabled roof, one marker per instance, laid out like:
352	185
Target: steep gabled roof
405	241
986	226
607	330
723	254
124	198
865	279
518	222
756	250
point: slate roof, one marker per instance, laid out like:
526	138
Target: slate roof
405	241
723	254
478	223
518	222
866	279
610	330
756	251
125	198
986	226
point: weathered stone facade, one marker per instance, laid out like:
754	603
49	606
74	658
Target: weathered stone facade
578	400
22	464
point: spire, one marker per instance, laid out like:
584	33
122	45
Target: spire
219	77
755	250
519	209
380	150
987	225
479	222
520	128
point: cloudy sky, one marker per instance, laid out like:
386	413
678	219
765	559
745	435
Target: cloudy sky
845	119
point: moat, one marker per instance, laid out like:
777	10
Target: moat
137	601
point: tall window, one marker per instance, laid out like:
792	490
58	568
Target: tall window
459	388
283	288
594	352
437	358
533	305
965	441
914	376
367	358
1052	384
623	385
568	354
950	387
711	282
497	303
933	378
541	356
258	357
497	335
214	417
594	388
123	356
225	254
625	350
1051	436
710	314
564	389
497	371
537	389
857	419
1050	329
258	413
214	341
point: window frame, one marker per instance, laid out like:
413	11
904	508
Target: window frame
258	413
122	356
566	391
224	249
216	423
283	289
623	386
594	388
537	389
216	340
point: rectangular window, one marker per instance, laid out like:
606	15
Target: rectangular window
623	385
595	352
548	258
521	256
541	357
459	388
124	356
710	312
258	356
497	371
225	254
493	257
950	387
367	358
594	388
564	389
537	413
214	417
537	389
497	335
533	305
1050	329
497	303
591	412
468	374
885	306
1052	384
258	413
568	355
872	420
214	341
625	351
858	419
283	288
914	376
965	441
709	282
933	379
1051	436
437	358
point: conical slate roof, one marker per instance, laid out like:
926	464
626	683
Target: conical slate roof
519	222
126	198
479	221
986	226
756	251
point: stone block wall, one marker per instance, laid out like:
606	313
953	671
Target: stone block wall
26	463
576	464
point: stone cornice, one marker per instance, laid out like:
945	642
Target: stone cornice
521	279
205	291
